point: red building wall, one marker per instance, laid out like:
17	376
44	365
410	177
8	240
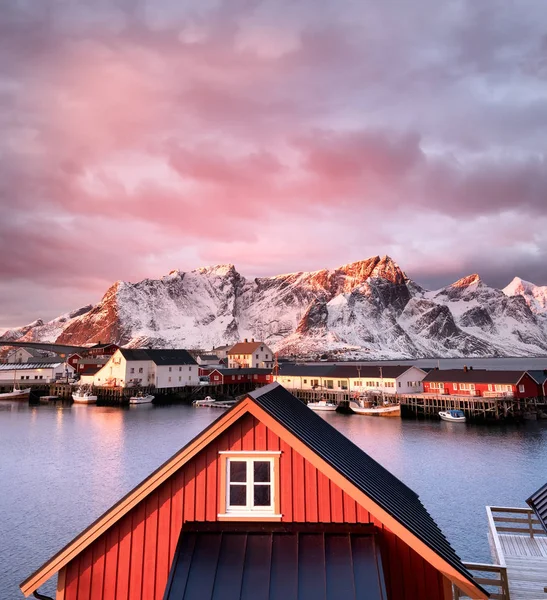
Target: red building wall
530	388
131	560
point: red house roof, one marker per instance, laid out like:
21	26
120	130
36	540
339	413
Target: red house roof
475	376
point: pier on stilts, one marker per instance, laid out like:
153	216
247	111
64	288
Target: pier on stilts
519	549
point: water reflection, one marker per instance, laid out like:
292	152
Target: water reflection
62	466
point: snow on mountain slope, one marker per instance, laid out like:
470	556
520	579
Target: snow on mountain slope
534	295
369	308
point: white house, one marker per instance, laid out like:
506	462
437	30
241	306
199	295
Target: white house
362	379
23	355
46	372
159	368
250	355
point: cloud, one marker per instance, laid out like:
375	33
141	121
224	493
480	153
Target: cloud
140	137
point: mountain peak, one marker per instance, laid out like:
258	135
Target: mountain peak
518	286
382	267
219	270
468	281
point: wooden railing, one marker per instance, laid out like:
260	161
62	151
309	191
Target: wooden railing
496	584
512	520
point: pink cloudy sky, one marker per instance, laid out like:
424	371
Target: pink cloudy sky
140	136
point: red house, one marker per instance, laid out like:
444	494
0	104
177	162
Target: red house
223	376
471	382
269	501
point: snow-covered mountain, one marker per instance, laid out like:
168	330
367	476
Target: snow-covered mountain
368	308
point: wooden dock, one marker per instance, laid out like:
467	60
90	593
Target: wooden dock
519	549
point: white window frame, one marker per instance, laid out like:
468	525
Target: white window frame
249	510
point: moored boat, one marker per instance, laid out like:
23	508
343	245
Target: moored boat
454	416
84	396
141	398
322	405
381	410
16	394
212	403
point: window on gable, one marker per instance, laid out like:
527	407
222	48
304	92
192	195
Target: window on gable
250	484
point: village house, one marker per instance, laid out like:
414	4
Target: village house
269	501
540	377
478	382
250	355
222	352
23	355
158	368
359	379
46	372
225	376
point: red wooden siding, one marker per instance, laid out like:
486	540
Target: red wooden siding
482	389
131	560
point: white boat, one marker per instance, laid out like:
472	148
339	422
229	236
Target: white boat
211	402
84	396
141	398
455	416
382	410
16	394
322	405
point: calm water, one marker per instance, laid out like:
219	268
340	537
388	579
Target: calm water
60	468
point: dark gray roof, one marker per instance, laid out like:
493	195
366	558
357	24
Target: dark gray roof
539	376
208	357
357	467
158	356
279	562
474	376
538	502
98	360
344	371
248	371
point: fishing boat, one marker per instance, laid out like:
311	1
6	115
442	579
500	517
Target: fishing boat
381	410
322	405
84	396
454	416
141	398
212	403
16	394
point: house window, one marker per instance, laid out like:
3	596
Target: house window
189	368
329	384
170	369
267	356
521	388
131	370
180	377
140	370
251	485
169	379
305	381
256	356
261	348
180	369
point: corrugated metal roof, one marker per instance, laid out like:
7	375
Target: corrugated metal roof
245	347
344	371
243	371
474	376
358	467
28	366
539	376
159	357
275	563
538	502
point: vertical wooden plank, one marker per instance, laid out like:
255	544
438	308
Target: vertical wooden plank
235	435
286	483
111	563
189	506
310	486
433	582
337	504
137	544
247	433
164	534
363	516
402	563
177	508
71	579
323	494
84	580
211	497
299	490
97	576
201	483
150	546
260	436
124	558
272	440
418	570
350	509
395	585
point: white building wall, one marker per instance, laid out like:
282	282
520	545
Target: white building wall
168	376
261	358
411	381
47	374
18	356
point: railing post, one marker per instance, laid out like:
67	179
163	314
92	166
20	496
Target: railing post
530	524
504	583
456	592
